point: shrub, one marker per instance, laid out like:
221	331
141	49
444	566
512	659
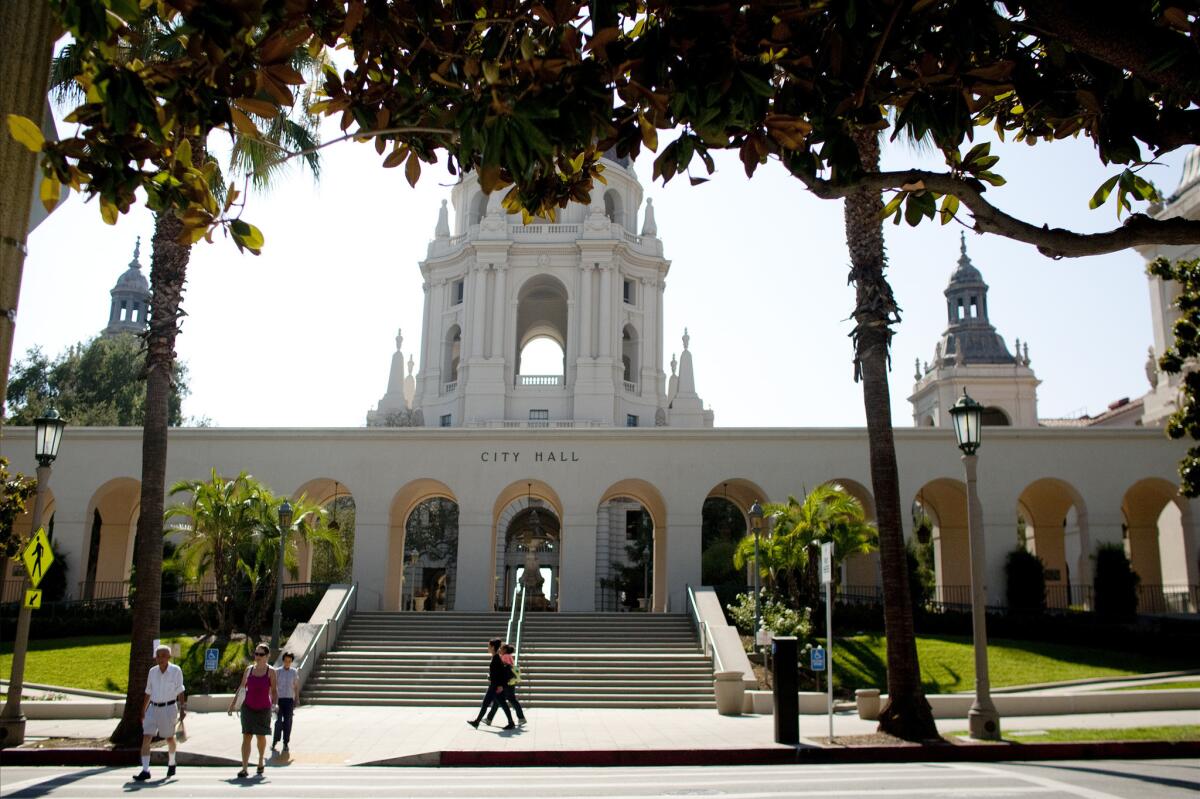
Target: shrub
299	609
777	617
1115	583
1025	577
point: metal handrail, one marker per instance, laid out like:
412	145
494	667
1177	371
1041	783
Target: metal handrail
520	627
512	612
321	642
702	628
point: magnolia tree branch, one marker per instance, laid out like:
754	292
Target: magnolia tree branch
1138	229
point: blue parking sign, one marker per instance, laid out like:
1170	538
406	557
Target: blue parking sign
817	659
211	658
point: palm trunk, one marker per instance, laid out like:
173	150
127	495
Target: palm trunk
25	50
168	272
907	713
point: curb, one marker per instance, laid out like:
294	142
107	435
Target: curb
780	755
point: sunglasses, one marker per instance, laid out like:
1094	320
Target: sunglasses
260	654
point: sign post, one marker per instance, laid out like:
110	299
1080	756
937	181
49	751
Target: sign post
827	579
211	658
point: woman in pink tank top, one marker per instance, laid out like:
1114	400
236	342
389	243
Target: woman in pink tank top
258	689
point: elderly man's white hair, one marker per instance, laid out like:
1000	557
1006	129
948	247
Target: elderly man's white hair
162	648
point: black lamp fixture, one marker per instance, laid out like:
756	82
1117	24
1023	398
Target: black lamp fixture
285	516
968	422
921	526
333	523
534	522
756	516
48	430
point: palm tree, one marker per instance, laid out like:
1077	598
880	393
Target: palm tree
171	253
258	566
789	555
221	518
907	713
231	537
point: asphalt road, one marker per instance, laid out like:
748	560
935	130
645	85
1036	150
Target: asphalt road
1100	779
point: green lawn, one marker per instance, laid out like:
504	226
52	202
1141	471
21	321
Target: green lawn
948	662
1160	686
1186	732
101	663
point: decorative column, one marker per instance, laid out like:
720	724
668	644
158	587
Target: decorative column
650	336
498	307
660	286
478	309
585	311
605	332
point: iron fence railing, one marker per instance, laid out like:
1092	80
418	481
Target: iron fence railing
1060	598
116	592
1163	599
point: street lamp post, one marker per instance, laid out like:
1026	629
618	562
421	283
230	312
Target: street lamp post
983	721
756	518
285	523
47	436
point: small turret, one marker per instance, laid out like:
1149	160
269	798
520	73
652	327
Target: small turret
129	311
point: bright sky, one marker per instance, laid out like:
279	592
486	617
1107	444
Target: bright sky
303	334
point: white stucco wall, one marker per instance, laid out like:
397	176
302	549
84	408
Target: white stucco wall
681	466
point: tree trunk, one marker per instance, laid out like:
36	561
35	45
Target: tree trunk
907	713
168	271
26	47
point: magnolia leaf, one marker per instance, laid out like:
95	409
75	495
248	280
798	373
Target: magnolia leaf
395	157
649	134
108	212
26	133
183	153
892	206
491	72
949	208
1101	195
412	169
253	105
49	193
242	122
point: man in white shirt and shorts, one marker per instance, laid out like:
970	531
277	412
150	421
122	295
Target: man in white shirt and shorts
163	707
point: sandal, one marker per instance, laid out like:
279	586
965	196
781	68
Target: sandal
259	771
243	774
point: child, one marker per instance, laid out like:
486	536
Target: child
508	656
288	686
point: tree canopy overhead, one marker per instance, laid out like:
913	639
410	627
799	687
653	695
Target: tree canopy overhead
530	93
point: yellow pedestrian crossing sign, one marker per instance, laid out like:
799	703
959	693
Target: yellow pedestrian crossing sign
37	557
33	598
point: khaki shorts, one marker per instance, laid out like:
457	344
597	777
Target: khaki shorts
160	721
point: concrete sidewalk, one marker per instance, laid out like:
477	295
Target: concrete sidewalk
421	736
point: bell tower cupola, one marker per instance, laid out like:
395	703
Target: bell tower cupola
970	354
130	308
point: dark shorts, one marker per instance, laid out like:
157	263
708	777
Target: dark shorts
256	722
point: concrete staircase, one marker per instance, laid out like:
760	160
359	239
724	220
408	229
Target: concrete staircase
619	660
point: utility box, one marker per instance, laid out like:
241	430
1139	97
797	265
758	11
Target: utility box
784	651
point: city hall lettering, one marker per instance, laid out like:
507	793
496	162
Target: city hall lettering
548	456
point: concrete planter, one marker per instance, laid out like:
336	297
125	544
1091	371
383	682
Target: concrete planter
730	691
868	703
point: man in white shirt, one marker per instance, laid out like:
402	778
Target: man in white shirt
163	706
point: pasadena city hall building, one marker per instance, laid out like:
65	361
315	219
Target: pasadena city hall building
558	472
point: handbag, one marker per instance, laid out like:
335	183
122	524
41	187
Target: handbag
241	693
516	675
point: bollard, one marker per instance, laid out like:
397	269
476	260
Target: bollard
787	698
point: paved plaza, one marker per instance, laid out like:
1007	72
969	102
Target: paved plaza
336	735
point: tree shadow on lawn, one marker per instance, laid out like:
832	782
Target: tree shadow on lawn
860	664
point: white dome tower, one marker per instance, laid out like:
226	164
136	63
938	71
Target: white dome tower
585	286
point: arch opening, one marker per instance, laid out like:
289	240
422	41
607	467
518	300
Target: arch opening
542	320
